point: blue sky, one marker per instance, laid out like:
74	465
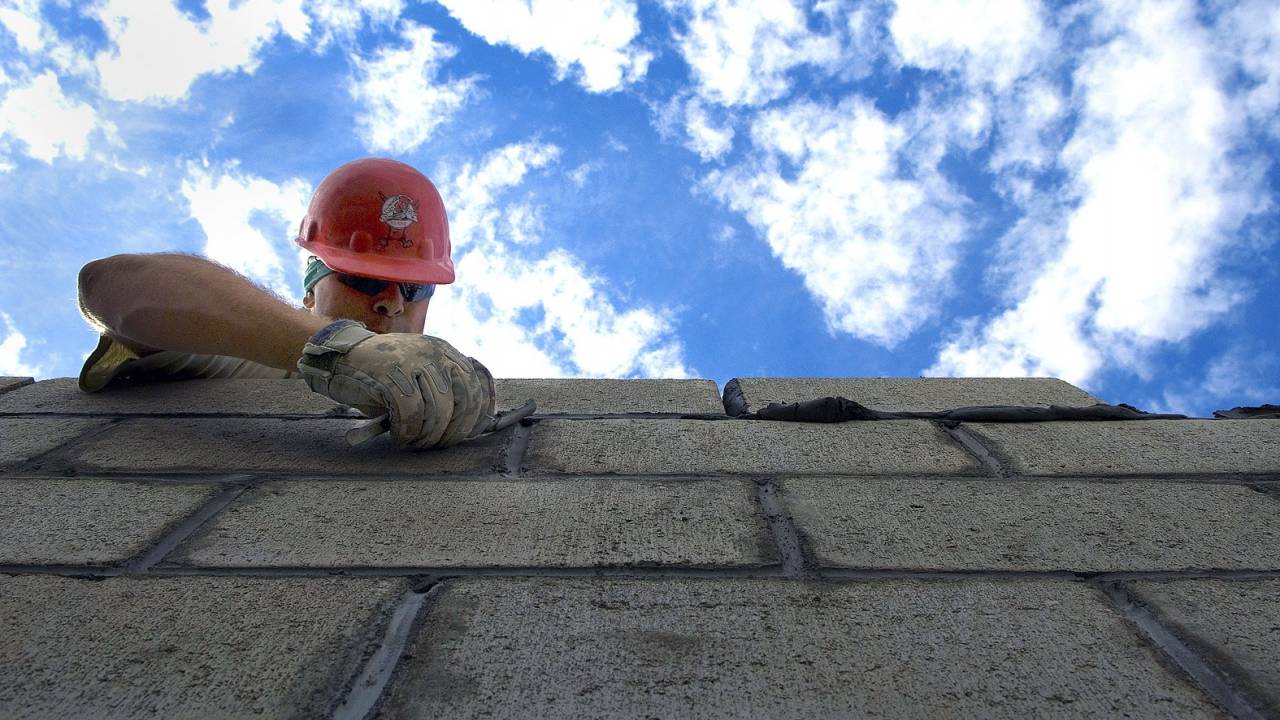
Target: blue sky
691	188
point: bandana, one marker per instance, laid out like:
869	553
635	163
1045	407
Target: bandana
316	271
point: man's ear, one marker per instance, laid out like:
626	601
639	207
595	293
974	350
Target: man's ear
309	300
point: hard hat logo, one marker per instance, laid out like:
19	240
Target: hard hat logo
398	213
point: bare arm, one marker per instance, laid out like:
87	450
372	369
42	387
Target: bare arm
190	304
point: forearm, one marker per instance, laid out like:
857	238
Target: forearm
190	304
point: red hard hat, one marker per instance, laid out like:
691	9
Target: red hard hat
382	219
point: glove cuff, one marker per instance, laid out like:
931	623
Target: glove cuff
326	346
339	336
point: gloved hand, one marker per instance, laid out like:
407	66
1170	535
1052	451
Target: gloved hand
434	395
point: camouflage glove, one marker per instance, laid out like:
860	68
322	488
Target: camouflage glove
434	395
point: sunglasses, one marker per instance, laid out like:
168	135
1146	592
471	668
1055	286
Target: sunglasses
412	292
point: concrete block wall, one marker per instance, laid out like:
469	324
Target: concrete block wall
213	548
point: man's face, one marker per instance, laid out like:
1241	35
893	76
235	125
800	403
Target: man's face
383	312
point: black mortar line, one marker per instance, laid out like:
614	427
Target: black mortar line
1210	679
174	415
179	415
636	572
86	572
55	453
367	689
631	416
984	455
207	474
786	537
188	527
517	446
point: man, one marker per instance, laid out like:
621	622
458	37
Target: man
380	242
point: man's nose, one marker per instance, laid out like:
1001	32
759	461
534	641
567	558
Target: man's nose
389	302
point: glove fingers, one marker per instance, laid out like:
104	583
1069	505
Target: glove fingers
466	405
438	399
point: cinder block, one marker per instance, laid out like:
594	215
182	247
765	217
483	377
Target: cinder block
1235	622
605	396
88	521
191	397
228	445
901	394
700	447
184	647
926	524
574	523
8	384
1136	447
781	649
24	438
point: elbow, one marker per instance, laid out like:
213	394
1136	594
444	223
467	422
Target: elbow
94	290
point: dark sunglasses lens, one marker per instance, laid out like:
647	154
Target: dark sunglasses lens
368	286
413	292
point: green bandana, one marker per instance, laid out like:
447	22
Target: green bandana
316	271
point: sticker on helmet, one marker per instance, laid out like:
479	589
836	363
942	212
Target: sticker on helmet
398	213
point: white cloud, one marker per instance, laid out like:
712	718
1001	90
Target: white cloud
46	121
580	174
404	99
22	19
990	41
231	207
1244	374
1254	27
593	38
741	51
157	51
705	137
1128	260
344	18
12	347
536	316
826	187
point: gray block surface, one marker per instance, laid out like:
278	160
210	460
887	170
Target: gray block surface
183	647
608	396
922	394
1235	622
8	384
921	524
781	649
24	438
79	521
680	447
575	523
1137	447
228	445
194	397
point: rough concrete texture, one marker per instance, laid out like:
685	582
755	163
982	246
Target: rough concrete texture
574	523
759	648
56	521
231	445
8	384
1081	526
600	397
182	397
1235	622
923	394
24	438
1136	447
183	647
692	447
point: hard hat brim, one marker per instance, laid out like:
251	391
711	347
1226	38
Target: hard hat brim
437	271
